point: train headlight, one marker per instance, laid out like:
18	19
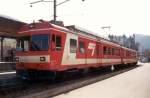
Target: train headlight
17	59
42	59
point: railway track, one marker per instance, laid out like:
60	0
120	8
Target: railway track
45	89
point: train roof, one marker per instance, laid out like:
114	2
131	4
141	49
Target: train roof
91	34
78	30
129	49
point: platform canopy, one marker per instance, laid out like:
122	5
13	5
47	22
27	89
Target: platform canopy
9	27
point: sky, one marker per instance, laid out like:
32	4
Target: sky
123	16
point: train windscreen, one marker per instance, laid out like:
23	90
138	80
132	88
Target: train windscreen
40	42
33	43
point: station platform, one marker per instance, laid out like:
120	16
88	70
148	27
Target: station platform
7	66
8	74
132	84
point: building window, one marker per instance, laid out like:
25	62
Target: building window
73	46
81	47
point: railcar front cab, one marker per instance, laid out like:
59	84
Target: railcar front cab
34	54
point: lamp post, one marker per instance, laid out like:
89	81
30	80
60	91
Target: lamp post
54	3
106	27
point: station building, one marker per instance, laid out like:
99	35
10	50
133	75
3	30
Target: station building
8	30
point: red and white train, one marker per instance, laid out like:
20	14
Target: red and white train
45	49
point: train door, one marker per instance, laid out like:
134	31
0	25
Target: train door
99	53
91	54
81	51
122	55
56	49
72	49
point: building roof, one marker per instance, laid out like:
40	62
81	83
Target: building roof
9	27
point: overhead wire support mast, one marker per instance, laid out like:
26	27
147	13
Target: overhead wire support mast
39	1
55	5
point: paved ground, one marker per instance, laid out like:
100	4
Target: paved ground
132	84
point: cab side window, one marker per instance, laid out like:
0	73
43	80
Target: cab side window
56	42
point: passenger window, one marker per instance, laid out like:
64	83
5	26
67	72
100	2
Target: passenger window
81	47
73	46
109	51
118	52
127	53
124	53
97	50
104	50
113	51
